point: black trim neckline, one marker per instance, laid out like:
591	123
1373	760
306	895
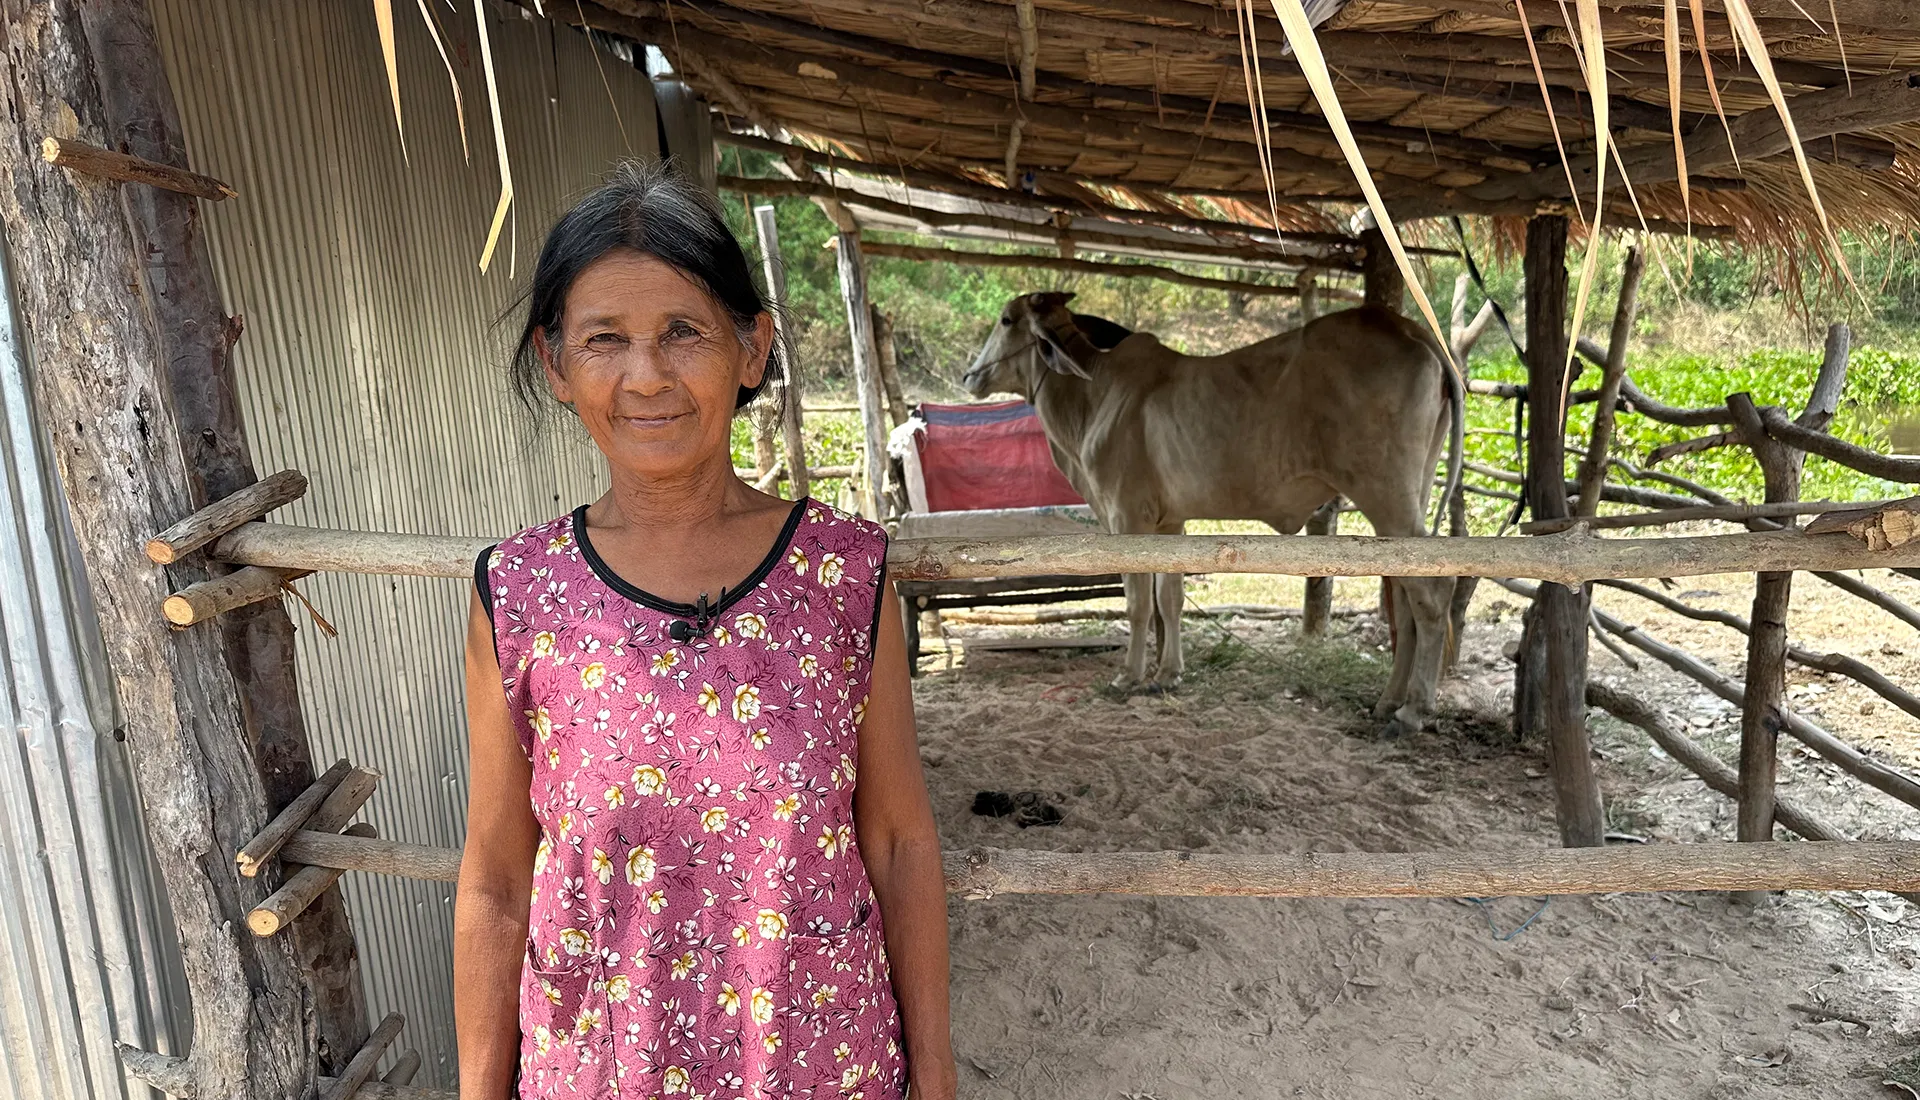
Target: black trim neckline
729	596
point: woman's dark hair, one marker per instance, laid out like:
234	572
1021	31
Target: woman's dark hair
655	209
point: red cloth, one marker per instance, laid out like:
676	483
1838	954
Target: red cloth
989	456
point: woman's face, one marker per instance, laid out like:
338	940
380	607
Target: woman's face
651	363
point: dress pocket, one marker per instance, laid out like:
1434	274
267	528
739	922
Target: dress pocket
842	1024
562	1008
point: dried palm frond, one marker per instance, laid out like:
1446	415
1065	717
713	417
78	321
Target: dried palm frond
499	139
1313	65
383	19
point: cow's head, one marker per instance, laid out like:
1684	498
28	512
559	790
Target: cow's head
1035	334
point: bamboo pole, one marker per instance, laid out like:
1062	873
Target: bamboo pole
205	600
360	1069
225	514
289	820
980	873
91	160
1569	557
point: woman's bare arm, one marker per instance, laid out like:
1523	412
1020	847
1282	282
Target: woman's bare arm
496	879
893	818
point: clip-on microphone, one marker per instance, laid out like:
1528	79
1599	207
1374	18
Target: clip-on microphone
683	631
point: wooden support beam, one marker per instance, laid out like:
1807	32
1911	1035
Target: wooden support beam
225	514
289	820
1317	607
1078	266
866	374
980	873
360	1069
91	160
1881	526
133	449
1562	612
799	477
301	889
1201	248
1568	558
205	600
1766	682
196	339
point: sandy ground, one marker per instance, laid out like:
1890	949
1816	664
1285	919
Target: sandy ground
1266	749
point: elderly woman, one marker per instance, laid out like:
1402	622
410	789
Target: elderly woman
691	730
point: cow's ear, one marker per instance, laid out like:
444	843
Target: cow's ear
1057	359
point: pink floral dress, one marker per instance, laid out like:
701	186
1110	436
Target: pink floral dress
701	924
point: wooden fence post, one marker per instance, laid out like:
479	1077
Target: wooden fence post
102	386
1760	720
1561	613
799	480
1317	608
866	375
889	360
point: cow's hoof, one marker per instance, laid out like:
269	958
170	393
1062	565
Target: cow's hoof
1395	729
1163	687
1123	683
1385	708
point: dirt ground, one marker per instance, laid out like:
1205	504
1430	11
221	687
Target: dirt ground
1267	749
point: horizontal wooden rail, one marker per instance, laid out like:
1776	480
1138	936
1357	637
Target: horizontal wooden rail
984	872
106	164
1569	557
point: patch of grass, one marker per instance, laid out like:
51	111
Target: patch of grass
1327	670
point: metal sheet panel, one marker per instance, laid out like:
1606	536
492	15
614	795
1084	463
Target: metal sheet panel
86	953
372	362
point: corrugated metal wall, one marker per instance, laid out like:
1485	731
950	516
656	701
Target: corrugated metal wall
87	954
371	363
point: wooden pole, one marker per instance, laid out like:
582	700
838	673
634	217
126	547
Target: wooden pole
980	873
360	1069
799	478
866	375
208	599
109	284
106	164
889	360
1766	683
196	338
1729	512
1385	287
302	888
225	514
1593	469
1570	557
1317	608
289	820
1562	611
1078	266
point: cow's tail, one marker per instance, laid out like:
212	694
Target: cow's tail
1456	438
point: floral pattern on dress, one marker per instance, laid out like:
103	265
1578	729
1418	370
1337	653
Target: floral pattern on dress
702	925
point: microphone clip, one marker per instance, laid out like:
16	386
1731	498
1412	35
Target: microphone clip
703	616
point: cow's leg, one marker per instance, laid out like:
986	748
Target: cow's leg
1169	597
1400	630
1426	600
1139	588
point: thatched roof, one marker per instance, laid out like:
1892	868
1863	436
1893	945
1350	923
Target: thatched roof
1144	103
